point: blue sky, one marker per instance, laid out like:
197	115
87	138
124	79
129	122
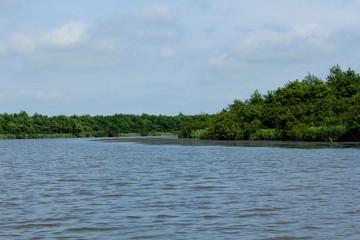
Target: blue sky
165	57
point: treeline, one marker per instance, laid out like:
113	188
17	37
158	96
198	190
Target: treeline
21	125
307	110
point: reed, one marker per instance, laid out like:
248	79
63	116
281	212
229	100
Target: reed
325	133
197	133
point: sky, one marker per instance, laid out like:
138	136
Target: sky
102	57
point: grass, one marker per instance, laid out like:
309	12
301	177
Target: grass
7	136
198	133
34	136
80	135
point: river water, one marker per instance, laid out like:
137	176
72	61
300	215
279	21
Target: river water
83	189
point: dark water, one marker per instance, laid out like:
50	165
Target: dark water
82	189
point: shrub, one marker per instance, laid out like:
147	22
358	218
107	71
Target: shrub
265	134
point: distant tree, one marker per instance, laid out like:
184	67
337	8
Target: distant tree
256	98
343	83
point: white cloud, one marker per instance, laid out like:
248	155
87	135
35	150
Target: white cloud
297	42
269	38
22	43
70	45
67	35
225	46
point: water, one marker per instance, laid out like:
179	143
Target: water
82	189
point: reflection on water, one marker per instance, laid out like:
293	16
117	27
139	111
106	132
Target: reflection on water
175	189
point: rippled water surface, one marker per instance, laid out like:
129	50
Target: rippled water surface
82	189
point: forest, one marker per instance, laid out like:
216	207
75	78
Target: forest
306	110
22	126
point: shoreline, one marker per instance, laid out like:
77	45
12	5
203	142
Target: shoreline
174	140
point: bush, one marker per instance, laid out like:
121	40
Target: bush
352	134
265	134
295	131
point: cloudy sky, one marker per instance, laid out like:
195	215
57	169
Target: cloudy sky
101	57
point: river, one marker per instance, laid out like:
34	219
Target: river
85	189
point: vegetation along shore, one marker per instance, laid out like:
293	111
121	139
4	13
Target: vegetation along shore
308	110
21	125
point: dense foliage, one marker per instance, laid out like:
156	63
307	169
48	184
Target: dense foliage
310	110
21	125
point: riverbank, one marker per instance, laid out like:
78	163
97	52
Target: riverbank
63	135
174	140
